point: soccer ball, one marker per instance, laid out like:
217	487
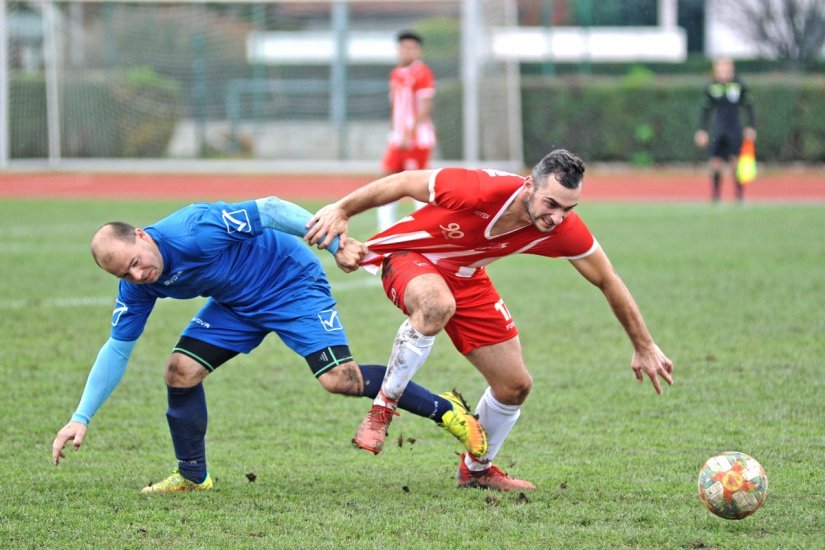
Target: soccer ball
732	485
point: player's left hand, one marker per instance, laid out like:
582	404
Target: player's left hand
749	133
349	255
329	222
74	431
655	364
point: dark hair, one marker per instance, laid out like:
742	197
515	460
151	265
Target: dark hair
410	35
564	165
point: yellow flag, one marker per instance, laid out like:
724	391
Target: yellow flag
746	166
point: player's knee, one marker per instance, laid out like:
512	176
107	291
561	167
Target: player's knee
515	390
344	379
524	389
183	372
433	314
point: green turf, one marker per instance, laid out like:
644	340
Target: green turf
735	296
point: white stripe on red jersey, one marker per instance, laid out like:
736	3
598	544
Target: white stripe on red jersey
454	230
408	87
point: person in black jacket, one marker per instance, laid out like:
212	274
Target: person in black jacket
725	96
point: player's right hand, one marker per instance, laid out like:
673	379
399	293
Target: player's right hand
655	364
701	139
75	431
329	222
349	255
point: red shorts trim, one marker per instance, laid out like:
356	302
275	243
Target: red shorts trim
481	317
397	160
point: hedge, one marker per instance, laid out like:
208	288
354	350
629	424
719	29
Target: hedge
638	118
648	120
103	115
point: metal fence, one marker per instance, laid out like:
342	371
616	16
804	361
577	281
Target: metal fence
125	83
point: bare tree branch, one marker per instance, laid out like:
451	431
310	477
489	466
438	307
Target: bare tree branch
788	29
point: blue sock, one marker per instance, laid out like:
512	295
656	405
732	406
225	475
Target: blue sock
187	423
415	399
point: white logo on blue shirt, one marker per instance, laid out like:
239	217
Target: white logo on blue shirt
329	320
171	280
120	309
237	221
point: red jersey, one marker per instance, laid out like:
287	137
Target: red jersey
408	87
453	230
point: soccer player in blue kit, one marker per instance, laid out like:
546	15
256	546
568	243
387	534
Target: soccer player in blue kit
259	278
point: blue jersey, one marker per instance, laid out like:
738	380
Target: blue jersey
221	250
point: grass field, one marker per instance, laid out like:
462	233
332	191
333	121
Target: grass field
735	296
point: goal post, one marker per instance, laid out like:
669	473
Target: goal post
492	92
295	83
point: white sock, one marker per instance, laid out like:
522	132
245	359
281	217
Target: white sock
498	419
386	216
385	401
409	352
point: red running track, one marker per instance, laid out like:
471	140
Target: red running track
601	185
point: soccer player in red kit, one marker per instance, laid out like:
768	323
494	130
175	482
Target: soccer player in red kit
433	268
412	134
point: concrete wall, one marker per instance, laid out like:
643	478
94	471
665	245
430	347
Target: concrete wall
288	140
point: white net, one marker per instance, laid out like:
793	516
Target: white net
273	80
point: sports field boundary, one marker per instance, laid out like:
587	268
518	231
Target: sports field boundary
603	183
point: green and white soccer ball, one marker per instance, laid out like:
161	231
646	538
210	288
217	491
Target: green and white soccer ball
732	485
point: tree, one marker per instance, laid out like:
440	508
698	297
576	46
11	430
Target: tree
793	30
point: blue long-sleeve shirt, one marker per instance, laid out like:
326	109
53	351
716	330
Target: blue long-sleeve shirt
225	251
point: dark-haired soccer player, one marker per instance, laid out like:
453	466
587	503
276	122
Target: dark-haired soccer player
412	133
259	278
433	269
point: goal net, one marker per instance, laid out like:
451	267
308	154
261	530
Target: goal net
292	81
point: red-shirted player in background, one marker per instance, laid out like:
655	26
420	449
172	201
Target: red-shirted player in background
412	134
433	269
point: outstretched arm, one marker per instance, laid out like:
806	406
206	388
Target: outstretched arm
103	379
331	221
288	218
647	357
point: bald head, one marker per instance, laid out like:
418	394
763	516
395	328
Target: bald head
128	253
106	238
